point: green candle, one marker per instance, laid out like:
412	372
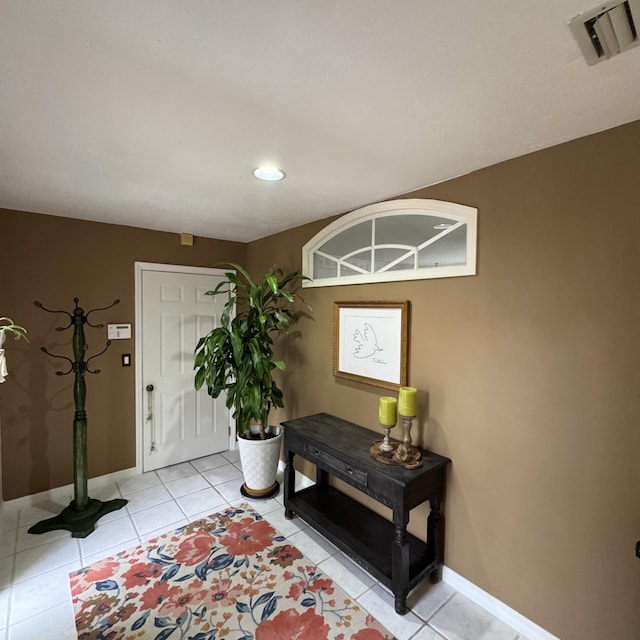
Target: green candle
387	411
407	401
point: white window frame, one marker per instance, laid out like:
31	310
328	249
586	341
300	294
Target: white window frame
459	214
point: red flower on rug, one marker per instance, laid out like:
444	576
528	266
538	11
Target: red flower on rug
368	634
180	597
373	631
293	626
224	592
310	581
247	537
99	571
231	576
195	548
322	584
102	570
155	594
140	574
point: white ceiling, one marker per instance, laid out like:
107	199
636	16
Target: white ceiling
153	113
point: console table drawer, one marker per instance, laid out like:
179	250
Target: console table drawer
334	465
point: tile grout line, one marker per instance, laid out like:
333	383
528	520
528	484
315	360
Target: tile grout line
435	611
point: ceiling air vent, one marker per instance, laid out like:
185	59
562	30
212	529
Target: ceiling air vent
607	30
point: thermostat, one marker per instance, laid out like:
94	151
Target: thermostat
119	331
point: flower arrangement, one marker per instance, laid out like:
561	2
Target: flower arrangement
7	326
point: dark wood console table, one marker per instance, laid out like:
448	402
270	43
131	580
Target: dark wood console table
385	549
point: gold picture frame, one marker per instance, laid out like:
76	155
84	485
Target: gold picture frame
371	342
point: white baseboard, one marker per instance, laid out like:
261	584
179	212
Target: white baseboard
65	494
494	606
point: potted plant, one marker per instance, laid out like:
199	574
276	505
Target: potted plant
237	358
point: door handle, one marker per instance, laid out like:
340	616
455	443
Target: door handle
149	389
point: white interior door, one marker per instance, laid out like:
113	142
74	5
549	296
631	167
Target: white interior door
179	423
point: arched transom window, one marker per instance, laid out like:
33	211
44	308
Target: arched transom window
394	240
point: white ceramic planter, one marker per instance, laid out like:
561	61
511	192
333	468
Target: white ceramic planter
259	459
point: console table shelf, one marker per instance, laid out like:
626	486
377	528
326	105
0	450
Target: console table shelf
385	549
359	532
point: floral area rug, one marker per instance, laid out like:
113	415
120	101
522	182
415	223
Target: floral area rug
230	575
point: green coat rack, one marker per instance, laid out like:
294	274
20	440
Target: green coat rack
83	512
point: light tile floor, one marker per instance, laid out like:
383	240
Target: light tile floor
35	600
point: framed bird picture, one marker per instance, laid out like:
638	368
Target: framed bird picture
371	342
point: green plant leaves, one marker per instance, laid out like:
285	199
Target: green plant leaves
237	356
200	375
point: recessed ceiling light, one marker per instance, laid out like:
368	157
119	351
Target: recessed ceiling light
272	174
442	225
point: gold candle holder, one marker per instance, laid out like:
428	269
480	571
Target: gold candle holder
386	446
407	422
405	452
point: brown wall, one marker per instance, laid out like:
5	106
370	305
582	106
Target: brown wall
53	260
529	379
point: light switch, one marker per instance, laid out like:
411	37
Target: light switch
126	359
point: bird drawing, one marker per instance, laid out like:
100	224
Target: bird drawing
365	343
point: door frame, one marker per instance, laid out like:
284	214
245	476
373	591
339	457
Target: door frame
140	268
